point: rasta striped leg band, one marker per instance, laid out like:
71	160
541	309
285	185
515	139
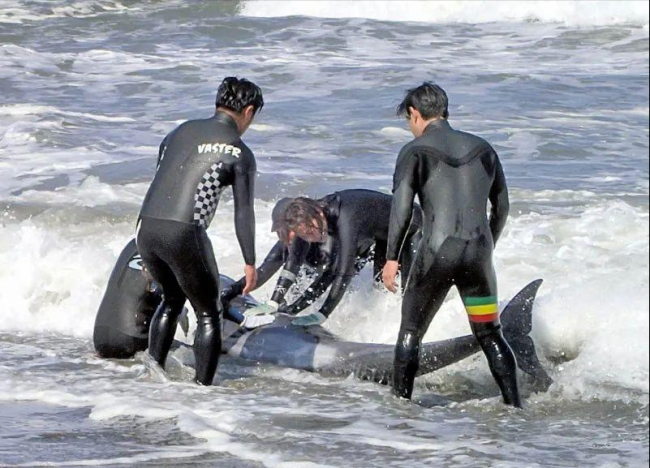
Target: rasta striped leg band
482	309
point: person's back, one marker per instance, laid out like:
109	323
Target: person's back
198	161
454	174
457	171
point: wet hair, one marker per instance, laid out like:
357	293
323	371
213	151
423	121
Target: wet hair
428	98
300	212
237	94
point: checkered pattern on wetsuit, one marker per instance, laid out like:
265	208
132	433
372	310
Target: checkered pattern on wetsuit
207	196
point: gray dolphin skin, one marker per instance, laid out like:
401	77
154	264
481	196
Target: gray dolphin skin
316	350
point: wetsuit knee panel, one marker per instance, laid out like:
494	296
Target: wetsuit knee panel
408	347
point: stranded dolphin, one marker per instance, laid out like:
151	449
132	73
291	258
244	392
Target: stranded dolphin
316	350
122	329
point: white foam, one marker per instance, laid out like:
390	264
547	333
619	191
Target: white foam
15	12
396	133
583	13
90	192
594	261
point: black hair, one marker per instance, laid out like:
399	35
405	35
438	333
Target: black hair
428	98
237	94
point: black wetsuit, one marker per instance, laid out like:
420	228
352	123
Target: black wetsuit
197	162
129	304
453	174
358	223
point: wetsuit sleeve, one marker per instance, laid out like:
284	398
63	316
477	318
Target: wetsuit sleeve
500	201
339	288
296	258
404	192
244	194
316	290
339	278
345	266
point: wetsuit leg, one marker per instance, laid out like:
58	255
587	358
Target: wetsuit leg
180	257
422	300
165	321
478	287
199	277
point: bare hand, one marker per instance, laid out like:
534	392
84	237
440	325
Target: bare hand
251	279
390	275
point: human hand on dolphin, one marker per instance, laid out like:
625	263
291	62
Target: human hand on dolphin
250	273
390	276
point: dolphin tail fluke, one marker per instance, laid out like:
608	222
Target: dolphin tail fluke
517	321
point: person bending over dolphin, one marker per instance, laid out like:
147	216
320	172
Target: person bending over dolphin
197	162
352	228
291	255
454	174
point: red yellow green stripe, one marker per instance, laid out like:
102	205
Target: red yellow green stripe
482	309
479	301
484	318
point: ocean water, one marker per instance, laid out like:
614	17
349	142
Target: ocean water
90	87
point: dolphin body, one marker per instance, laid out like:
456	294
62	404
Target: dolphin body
316	350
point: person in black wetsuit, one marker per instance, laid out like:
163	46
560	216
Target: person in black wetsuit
453	174
197	162
349	229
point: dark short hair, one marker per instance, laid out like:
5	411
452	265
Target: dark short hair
428	98
300	212
237	94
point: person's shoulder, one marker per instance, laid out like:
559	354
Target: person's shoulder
242	159
178	130
189	124
246	155
411	149
476	140
244	148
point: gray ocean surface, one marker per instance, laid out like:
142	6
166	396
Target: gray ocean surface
88	89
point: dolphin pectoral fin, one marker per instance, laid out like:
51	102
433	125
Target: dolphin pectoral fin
517	322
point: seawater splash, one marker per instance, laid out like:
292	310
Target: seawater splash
594	260
572	13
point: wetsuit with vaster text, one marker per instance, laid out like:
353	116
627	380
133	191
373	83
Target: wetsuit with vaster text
358	222
454	175
197	162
